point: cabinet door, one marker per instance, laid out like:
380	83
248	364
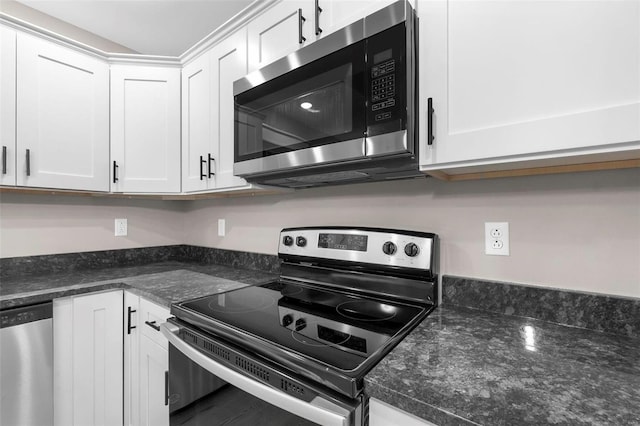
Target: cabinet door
151	316
145	129
229	63
276	32
528	79
153	365
62	117
154	368
88	359
8	106
336	14
382	414
196	124
131	334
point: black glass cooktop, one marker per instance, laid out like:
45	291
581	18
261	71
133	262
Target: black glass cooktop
341	330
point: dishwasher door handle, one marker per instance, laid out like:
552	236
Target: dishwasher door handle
306	410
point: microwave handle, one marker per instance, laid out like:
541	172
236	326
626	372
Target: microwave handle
314	411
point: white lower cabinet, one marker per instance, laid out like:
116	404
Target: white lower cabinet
154	367
146	356
87	360
383	414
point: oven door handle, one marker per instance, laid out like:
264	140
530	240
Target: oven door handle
316	411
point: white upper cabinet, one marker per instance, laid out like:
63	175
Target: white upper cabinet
280	30
229	63
8	106
335	14
291	24
145	128
208	116
62	117
528	80
197	143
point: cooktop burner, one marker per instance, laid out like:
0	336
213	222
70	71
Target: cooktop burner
366	310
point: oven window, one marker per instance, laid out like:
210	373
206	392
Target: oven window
317	104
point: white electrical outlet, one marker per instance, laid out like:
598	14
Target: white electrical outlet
496	238
121	228
221	227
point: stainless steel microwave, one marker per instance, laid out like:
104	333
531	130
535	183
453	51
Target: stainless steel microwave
342	109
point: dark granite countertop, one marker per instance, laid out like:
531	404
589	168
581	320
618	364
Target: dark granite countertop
162	282
460	366
463	366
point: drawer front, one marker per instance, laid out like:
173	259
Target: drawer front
151	316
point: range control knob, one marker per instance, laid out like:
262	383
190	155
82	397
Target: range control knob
411	250
287	320
301	241
287	240
389	248
301	323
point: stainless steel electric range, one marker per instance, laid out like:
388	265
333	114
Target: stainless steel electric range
298	348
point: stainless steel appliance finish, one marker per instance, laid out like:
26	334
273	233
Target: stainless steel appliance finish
320	409
394	14
189	381
365	129
26	365
303	343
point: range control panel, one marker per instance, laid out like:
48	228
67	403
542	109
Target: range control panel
361	245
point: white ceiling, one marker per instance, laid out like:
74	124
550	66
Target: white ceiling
152	27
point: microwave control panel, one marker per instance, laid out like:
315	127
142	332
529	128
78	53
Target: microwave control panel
386	64
383	85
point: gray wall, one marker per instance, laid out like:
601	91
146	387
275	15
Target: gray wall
576	231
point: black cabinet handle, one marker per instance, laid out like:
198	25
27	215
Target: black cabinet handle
210	159
202	161
166	388
28	162
153	325
129	326
115	173
318	11
301	19
430	136
4	160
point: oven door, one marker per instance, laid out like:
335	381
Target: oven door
255	392
309	114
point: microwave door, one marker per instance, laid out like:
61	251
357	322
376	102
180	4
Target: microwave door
307	116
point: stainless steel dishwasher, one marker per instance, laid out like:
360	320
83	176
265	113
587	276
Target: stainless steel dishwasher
26	365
